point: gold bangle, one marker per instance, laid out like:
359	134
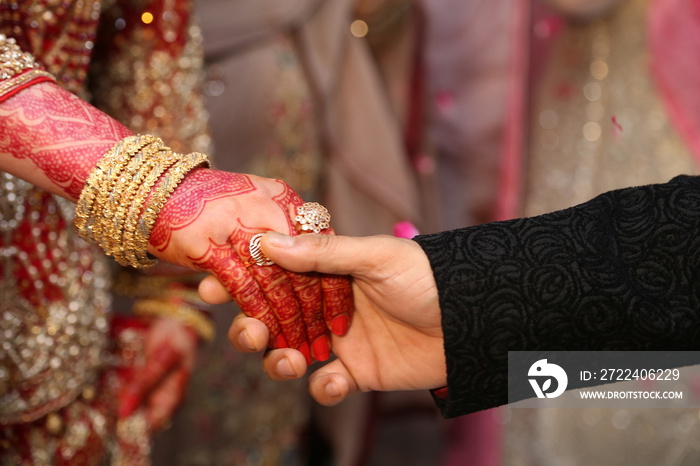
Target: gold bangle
188	315
106	200
10	86
165	160
154	205
122	194
90	210
119	205
84	221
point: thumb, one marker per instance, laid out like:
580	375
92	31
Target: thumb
332	383
338	255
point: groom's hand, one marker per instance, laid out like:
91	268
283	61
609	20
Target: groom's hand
395	341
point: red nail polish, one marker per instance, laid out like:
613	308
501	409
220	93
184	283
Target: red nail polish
304	348
340	324
320	348
281	342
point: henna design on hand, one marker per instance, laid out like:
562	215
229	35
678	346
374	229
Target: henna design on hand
273	291
307	288
291	305
337	293
338	303
222	261
61	134
288	200
280	295
188	201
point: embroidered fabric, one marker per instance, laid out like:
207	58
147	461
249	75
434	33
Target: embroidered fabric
615	273
54	305
54	299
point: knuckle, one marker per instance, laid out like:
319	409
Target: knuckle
322	246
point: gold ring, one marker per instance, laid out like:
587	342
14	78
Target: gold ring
312	216
256	254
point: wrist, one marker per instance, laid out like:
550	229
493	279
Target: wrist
124	194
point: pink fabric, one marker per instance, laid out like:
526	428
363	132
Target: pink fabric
674	42
510	177
405	230
475	440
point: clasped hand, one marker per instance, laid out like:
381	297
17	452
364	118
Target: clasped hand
395	341
207	225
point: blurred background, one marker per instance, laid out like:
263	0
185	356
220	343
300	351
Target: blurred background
444	114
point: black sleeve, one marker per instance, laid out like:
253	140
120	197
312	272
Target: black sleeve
620	272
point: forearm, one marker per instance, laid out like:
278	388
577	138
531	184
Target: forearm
53	139
616	273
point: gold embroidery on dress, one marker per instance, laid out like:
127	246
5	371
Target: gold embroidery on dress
53	306
151	91
292	154
60	32
54	302
599	123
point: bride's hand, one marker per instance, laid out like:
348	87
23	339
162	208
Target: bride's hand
207	225
395	341
53	139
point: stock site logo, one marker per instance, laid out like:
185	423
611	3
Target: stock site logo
541	375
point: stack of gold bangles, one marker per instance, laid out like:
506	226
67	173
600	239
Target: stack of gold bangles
124	194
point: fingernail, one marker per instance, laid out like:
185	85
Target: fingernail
285	368
246	341
279	240
281	342
339	325
332	390
304	348
320	348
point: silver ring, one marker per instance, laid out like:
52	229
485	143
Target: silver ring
256	254
312	216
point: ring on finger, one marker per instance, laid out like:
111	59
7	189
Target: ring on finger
257	256
313	217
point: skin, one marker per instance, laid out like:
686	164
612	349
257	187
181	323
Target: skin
53	139
395	341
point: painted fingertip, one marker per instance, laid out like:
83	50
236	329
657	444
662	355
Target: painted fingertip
304	348
281	342
339	325
320	348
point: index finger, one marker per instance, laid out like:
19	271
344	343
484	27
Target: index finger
338	304
222	261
